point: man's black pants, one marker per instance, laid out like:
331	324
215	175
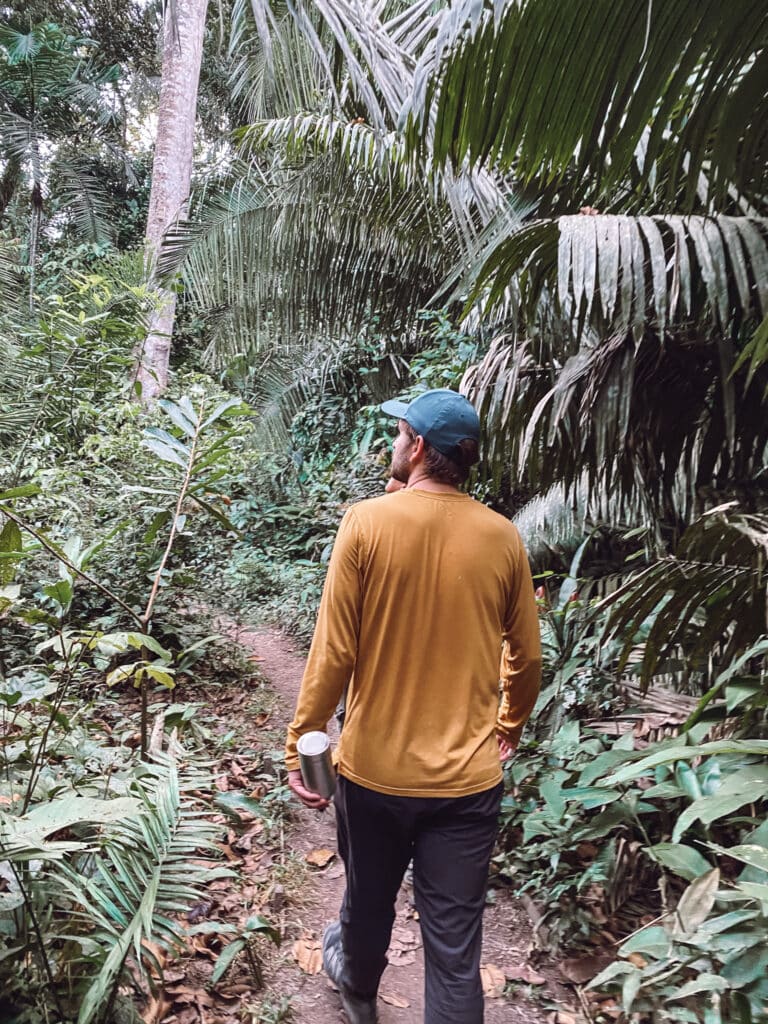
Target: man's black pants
450	840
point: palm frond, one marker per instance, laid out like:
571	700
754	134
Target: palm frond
9	276
572	86
708	600
310	253
378	54
274	71
558	520
148	869
82	196
654	419
618	272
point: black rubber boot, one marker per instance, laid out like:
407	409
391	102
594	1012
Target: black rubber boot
357	1009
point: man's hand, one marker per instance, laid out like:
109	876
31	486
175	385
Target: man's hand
506	749
307	797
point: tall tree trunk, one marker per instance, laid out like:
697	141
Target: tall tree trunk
183	30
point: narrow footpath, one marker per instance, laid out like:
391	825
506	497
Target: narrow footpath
507	940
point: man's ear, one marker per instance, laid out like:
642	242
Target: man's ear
417	454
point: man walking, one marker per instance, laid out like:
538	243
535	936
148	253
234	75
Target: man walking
423	586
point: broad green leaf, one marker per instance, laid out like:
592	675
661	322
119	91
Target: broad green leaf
158	522
741	692
67	811
182	414
220	410
678	753
591	796
60	592
683	860
27	686
551	791
704	983
653	941
711	808
755	856
615	970
24	491
11	544
259	924
164	678
165	438
744	969
121	673
165	452
755	890
232	802
139	640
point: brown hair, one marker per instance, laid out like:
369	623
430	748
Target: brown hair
445	469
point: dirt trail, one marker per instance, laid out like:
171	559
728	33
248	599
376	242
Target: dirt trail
507	929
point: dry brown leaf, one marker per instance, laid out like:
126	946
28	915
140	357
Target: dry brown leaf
582	969
261	719
222	784
308	955
524	972
401	957
231	856
156	1009
392	999
320	858
493	980
405	938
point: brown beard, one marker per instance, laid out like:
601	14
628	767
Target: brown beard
399	470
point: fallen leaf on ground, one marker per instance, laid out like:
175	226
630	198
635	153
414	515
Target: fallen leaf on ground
493	980
394	1000
320	858
401	957
157	1008
230	855
582	969
405	938
524	972
308	955
261	719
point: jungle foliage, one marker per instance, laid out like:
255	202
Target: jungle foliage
587	221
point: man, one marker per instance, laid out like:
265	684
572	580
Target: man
423	586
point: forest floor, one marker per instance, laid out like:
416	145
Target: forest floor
287	870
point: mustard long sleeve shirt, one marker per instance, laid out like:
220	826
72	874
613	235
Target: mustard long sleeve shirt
422	588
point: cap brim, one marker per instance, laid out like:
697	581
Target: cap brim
395	408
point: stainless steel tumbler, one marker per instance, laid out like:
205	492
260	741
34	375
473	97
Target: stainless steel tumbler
317	769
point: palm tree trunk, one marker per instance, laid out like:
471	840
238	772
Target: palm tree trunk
183	30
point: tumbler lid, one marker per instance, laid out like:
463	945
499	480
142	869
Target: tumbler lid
313	743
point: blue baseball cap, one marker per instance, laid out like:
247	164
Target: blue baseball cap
442	417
